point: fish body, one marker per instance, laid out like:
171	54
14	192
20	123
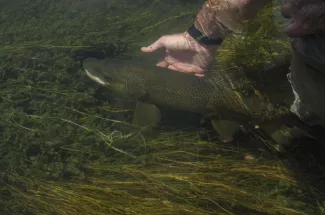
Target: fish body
164	87
152	87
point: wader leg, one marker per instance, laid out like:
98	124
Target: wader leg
307	79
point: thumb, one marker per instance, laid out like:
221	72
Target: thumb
297	29
154	46
286	10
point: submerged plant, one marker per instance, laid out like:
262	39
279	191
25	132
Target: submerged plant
178	174
66	149
259	44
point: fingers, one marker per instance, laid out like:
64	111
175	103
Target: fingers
297	29
306	17
186	68
175	42
155	46
163	64
179	55
286	10
181	67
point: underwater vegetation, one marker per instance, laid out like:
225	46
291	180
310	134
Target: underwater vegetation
173	174
66	145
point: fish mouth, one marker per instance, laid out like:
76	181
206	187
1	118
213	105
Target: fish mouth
95	78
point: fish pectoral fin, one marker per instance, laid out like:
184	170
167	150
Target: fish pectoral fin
146	115
280	135
284	135
226	129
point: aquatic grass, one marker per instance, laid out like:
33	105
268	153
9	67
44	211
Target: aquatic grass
250	64
260	43
109	28
175	173
180	175
58	128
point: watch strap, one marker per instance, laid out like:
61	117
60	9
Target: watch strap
201	38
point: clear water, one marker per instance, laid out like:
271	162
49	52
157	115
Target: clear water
67	145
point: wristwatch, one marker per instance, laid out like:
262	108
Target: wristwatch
201	38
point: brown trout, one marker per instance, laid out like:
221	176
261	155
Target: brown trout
152	87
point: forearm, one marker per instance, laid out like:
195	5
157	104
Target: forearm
219	18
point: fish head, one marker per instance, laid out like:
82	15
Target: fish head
114	76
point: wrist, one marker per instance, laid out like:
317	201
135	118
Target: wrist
202	38
199	47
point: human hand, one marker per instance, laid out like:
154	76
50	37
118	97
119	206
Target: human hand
184	54
308	17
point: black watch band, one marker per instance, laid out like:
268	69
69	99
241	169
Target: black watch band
200	38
